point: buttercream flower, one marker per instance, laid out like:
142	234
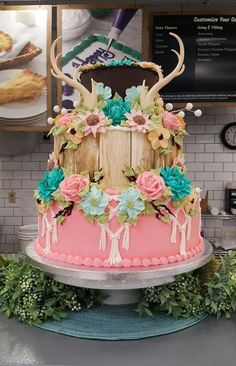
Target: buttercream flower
71	186
132	93
181	121
130	203
179	162
64	119
169	120
94	202
116	109
180	186
151	185
93	122
40	204
159	137
190	202
52	162
105	92
138	120
49	184
72	135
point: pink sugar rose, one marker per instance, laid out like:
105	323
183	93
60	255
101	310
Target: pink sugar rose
169	120
71	187
151	185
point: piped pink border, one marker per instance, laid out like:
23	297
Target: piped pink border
126	263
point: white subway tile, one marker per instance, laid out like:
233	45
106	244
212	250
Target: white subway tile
39	156
6	174
220	119
214	148
224	176
11	239
213	167
217	203
20	174
206	139
196	183
10	184
214	129
205	176
25	157
215	186
223	157
6	211
17	211
13	220
7	229
230	167
46	148
204	157
12	165
219	195
15	204
6	248
1	202
29	184
30	165
189	139
195	129
37	175
190	175
43	166
194	148
189	157
195	167
30	220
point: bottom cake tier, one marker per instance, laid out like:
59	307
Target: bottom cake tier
150	242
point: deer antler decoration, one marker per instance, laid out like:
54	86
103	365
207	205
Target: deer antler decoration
90	99
146	98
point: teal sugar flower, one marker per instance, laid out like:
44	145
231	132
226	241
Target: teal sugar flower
105	92
116	109
132	93
119	63
49	183
131	203
180	186
94	202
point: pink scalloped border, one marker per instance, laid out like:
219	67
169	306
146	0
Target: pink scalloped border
126	263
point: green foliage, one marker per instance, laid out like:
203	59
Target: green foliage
211	290
33	297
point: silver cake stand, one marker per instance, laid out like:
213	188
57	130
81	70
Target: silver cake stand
120	284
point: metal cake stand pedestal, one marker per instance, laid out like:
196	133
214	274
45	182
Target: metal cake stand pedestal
120	284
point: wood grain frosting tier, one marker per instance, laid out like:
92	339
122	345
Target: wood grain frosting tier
112	151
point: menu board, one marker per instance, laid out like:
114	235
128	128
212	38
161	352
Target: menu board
210	54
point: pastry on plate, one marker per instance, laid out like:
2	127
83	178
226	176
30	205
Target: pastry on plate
24	87
5	42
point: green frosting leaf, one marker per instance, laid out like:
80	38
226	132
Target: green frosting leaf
60	219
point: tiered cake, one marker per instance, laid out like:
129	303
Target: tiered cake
115	193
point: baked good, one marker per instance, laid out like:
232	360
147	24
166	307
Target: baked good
24	87
116	193
5	42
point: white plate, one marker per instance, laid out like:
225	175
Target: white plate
21	110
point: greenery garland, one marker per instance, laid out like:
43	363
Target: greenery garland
33	297
209	290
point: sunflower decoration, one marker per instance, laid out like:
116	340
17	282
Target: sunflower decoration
159	137
190	202
40	204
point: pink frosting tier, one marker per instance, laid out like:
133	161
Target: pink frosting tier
148	243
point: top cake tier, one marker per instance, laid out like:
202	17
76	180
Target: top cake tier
119	76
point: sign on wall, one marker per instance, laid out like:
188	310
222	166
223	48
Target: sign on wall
25	95
91	36
210	53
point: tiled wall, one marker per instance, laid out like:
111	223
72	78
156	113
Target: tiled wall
209	164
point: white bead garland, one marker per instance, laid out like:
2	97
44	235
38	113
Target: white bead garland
64	111
56	108
76	104
189	106
169	106
181	114
198	113
50	120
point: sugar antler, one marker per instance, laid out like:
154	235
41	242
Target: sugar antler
90	99
146	98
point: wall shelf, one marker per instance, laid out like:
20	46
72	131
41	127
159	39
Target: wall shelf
221	217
